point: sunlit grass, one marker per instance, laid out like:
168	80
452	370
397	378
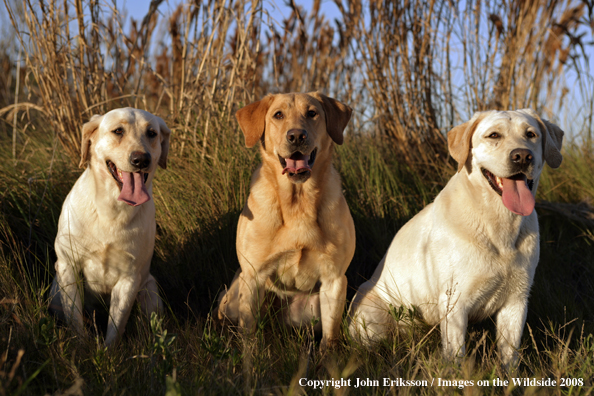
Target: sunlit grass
198	203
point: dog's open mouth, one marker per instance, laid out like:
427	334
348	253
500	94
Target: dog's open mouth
298	163
131	184
115	173
515	191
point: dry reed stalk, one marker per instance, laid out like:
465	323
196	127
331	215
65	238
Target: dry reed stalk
309	54
16	103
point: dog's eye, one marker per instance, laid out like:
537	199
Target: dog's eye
279	115
118	131
312	113
494	135
530	134
151	133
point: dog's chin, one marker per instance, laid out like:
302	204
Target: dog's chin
298	178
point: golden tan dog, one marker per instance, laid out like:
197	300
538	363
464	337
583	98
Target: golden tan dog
106	231
295	235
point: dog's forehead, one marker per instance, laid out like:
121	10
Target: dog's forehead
523	120
506	120
499	119
128	116
307	100
293	101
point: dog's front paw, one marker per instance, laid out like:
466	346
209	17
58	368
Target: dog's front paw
510	360
328	344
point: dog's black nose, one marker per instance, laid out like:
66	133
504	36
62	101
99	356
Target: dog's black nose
140	160
297	136
521	156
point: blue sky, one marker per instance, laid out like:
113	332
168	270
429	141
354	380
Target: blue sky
137	9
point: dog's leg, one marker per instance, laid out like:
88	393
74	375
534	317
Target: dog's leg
228	308
510	325
369	317
453	325
56	300
123	296
302	310
332	300
68	284
453	329
148	297
251	295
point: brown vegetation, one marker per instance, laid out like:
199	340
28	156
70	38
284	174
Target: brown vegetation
411	70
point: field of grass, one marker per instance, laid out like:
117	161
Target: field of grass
391	168
198	203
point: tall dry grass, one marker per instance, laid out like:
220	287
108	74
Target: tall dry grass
427	65
194	79
412	70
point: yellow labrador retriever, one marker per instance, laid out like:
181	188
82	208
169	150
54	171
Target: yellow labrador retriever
106	231
295	236
473	252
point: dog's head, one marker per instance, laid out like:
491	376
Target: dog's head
126	145
296	130
509	149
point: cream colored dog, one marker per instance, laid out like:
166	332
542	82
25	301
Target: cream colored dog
106	231
295	235
471	253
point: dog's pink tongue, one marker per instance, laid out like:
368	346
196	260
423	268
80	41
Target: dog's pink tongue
297	163
133	192
516	196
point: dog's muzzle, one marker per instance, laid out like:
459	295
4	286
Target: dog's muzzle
298	166
515	190
140	160
297	137
131	184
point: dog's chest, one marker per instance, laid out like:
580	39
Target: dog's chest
296	270
126	253
296	253
294	245
498	267
489	291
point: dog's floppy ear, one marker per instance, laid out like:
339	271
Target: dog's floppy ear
338	116
88	129
460	137
165	134
552	144
552	138
252	120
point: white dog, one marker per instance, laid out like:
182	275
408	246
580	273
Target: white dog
106	231
471	253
